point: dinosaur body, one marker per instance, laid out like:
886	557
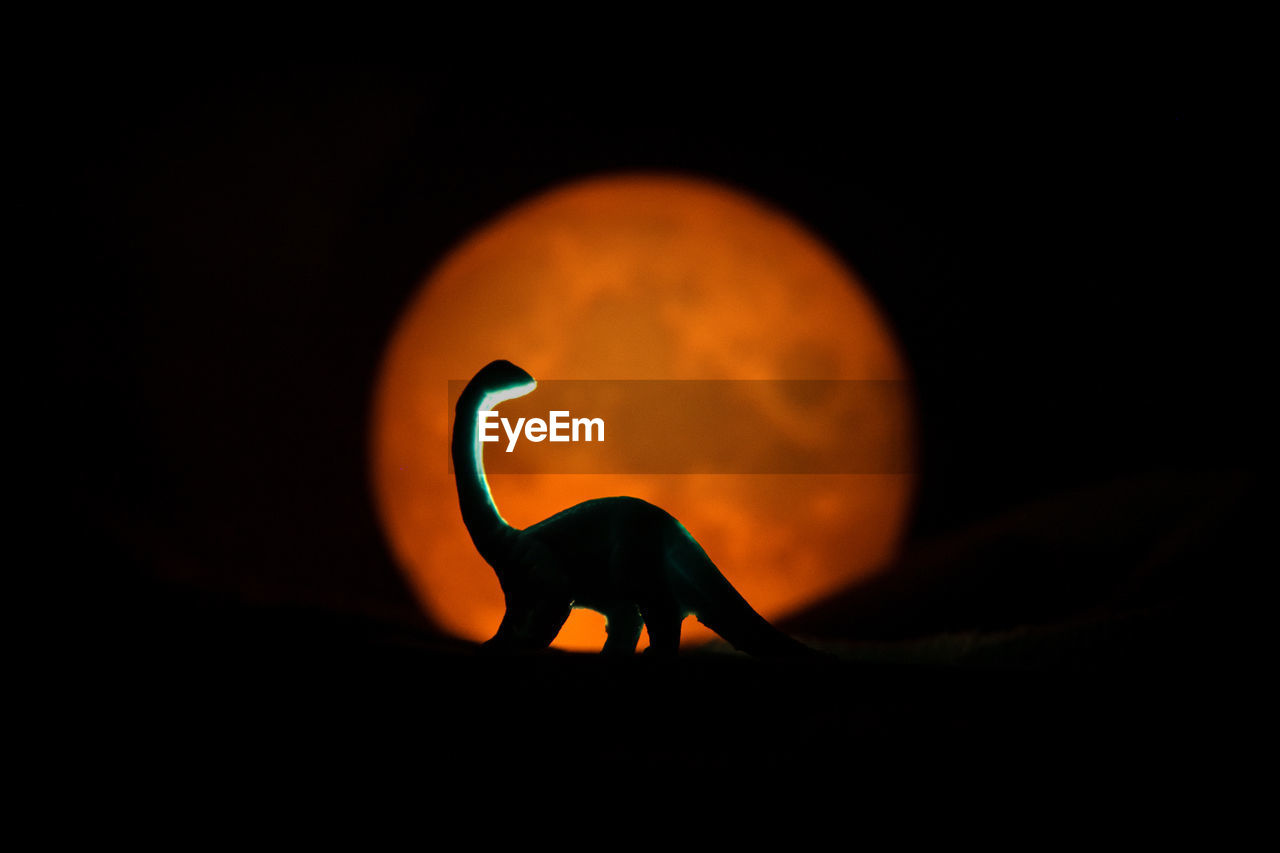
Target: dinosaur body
621	556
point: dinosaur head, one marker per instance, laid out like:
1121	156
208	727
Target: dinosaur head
497	381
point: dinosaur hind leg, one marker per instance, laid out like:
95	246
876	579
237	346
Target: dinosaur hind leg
662	617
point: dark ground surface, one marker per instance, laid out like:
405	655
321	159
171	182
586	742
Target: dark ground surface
1154	699
569	729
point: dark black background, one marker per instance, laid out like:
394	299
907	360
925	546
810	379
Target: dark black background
1054	240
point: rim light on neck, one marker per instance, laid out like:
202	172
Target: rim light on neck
487	403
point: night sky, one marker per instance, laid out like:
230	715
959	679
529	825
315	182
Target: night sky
1052	246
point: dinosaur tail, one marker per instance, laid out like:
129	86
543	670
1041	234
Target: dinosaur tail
713	600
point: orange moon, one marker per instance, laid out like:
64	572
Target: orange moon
636	277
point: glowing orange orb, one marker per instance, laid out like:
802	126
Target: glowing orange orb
636	277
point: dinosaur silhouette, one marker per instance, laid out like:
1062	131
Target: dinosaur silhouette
620	556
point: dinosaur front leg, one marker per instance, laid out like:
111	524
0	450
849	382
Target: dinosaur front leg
623	624
505	637
530	624
546	618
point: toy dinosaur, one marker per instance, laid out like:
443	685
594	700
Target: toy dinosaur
620	556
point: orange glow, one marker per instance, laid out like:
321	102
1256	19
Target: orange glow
636	277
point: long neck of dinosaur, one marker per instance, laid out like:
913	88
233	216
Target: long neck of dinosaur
489	530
